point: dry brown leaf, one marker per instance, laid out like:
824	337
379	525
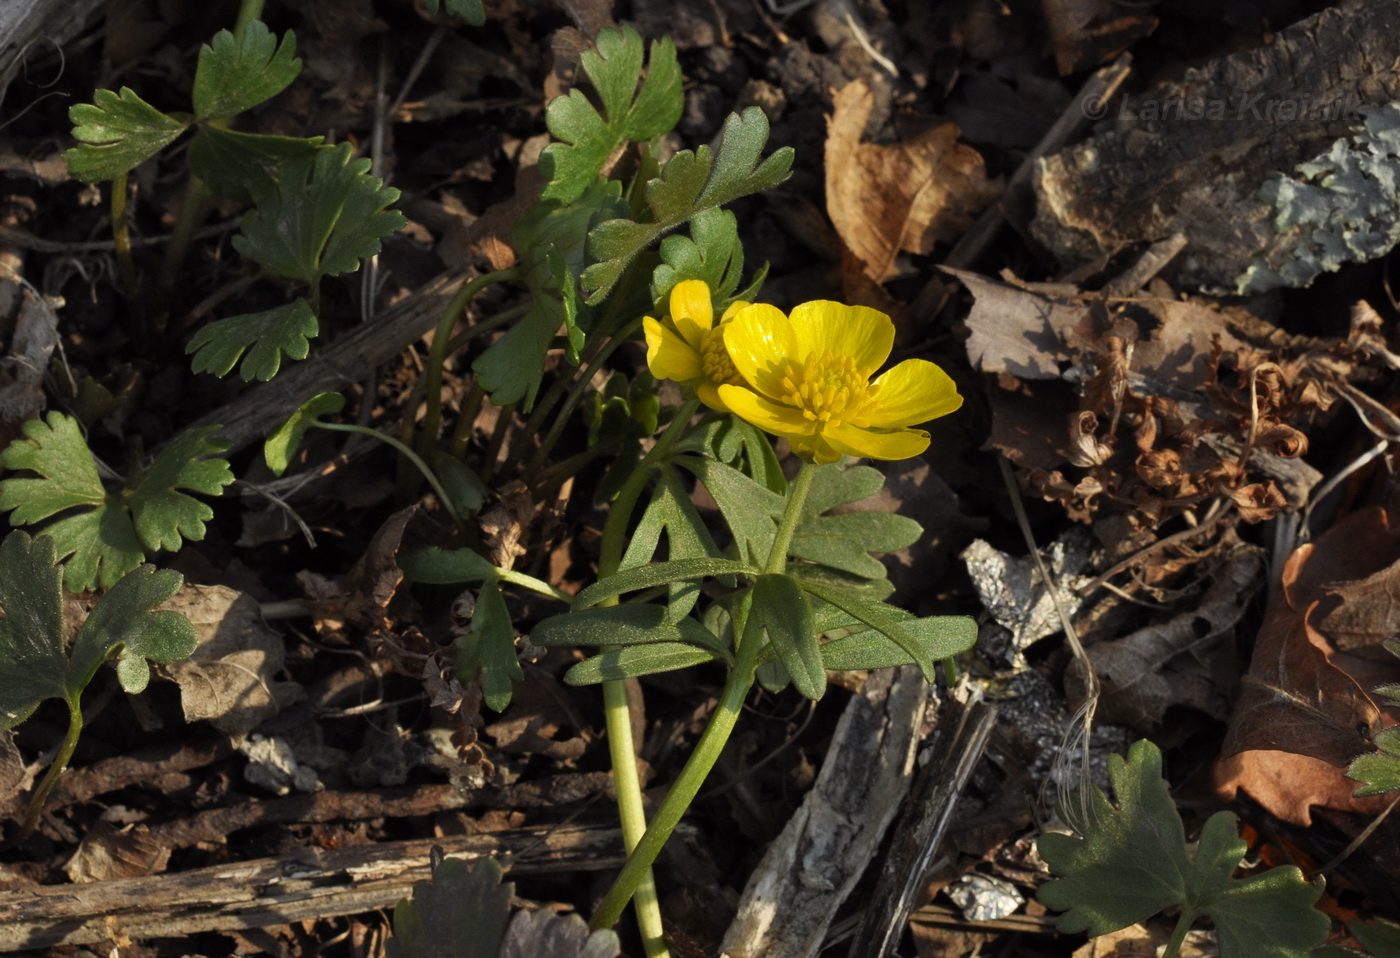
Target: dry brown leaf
884	199
1288	785
108	852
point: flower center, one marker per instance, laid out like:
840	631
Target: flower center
827	387
714	358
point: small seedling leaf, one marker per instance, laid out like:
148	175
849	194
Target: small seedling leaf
712	253
690	183
543	934
116	133
1130	861
783	611
237	72
471	11
231	164
266	337
282	444
437	566
1379	771
112	533
587	138
461	912
488	649
320	218
34	665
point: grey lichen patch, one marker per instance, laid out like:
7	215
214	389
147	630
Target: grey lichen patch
1342	206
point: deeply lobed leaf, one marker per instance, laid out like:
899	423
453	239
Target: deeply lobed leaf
116	133
266	337
487	651
233	164
461	912
236	72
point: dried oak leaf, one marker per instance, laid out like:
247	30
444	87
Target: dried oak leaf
901	197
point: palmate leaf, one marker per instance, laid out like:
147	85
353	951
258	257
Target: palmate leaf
320	218
110	534
748	508
116	132
460	913
471	11
588	139
231	163
266	337
237	72
1131	862
689	184
34	665
712	253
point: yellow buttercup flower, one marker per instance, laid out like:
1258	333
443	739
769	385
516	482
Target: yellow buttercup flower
807	378
688	346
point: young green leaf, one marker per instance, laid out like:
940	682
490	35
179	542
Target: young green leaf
231	163
938	637
34	665
749	509
471	11
237	72
488	650
1379	771
671	511
589	139
638	660
689	184
1131	862
438	566
282	444
460	913
782	610
110	534
463	486
320	218
266	337
662	573
845	541
885	619
116	133
631	624
712	252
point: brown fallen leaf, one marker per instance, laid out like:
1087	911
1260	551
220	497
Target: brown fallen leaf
903	197
109	852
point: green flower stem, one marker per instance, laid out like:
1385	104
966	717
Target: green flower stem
121	238
51	777
717	731
437	356
248	11
1178	938
403	450
622	750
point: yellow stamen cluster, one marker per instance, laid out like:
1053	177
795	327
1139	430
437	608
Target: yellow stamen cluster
826	387
714	358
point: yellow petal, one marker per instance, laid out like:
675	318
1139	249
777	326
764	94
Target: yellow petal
733	308
708	393
669	356
769	416
915	391
761	342
691	310
855	441
864	334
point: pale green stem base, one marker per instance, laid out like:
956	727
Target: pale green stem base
712	741
51	777
1178	938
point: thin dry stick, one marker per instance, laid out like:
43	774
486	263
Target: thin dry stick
1359	839
1213	515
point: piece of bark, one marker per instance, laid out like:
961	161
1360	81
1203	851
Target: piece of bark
257	411
921	828
309	884
812	866
1191	156
49	23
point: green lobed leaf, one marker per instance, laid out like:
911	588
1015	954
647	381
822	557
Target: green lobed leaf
461	912
938	637
739	438
471	11
689	184
820	576
637	660
321	217
33	666
111	534
116	133
282	443
437	566
885	619
661	573
237	72
781	610
1379	771
266	337
34	663
1380	937
749	509
631	624
488	650
231	164
712	253
587	139
845	541
671	511
1131	862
